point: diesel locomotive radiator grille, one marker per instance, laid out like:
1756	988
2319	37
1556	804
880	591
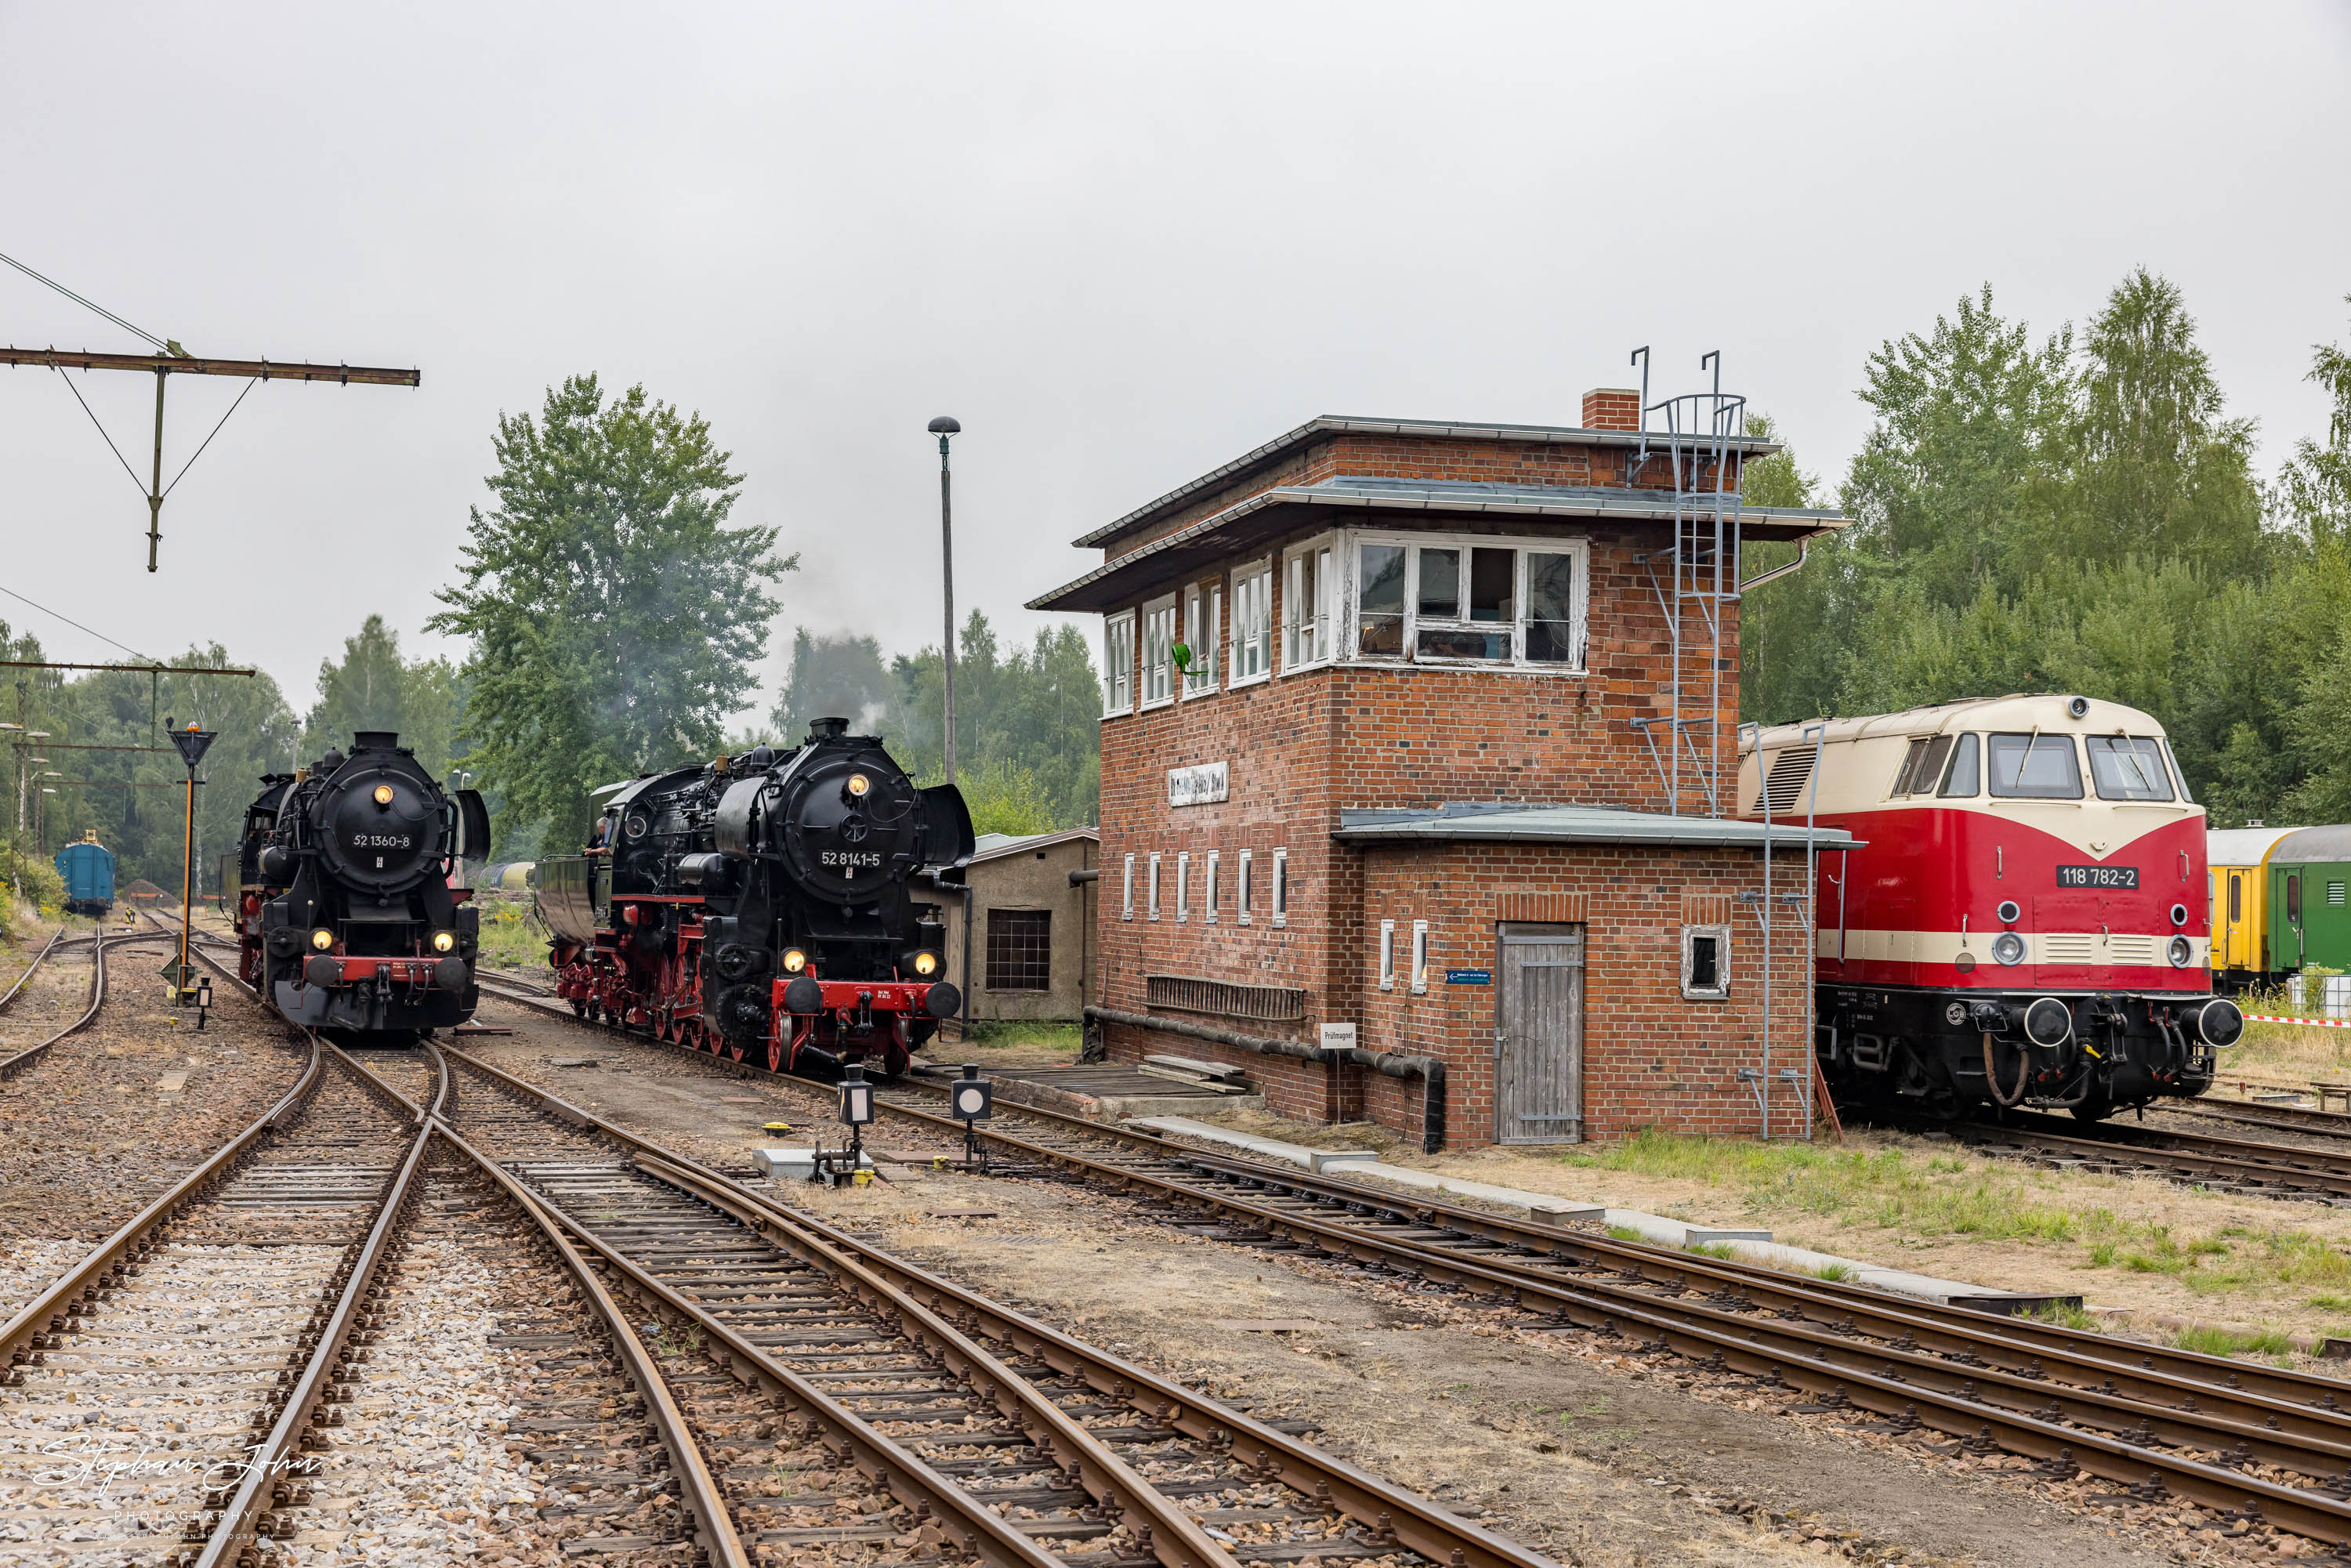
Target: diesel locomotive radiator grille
2068	947
2139	950
1222	999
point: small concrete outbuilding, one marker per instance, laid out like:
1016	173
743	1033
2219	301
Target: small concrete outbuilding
1029	915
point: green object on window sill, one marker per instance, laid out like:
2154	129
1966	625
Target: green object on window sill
1183	655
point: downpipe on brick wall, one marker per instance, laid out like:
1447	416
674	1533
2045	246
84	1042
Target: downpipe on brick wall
1387	1063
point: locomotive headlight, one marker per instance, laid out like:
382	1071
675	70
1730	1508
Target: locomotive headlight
445	941
926	964
2007	947
322	939
2181	950
794	960
859	784
383	794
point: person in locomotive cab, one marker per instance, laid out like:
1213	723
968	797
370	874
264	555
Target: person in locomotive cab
357	928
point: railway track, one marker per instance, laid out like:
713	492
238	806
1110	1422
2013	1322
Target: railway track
2249	1441
16	1062
2252	1168
950	1419
2256	1114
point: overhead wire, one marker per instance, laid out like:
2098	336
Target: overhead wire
101	431
78	626
168	347
191	463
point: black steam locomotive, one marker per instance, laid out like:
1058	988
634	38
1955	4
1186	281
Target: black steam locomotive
757	907
344	910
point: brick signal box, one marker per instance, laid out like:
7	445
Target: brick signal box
1414	804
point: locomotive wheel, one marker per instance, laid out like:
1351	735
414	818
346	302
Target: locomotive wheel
579	1009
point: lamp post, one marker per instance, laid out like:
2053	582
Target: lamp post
191	742
945	427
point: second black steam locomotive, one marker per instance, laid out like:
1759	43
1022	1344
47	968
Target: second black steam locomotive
344	910
759	906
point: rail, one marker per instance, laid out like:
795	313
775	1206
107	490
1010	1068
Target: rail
13	1065
34	968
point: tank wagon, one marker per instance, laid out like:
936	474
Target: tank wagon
2027	921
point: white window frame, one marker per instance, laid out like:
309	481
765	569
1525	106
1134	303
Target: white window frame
1580	549
1388	955
1242	914
1128	905
1251	662
1154	665
1118	664
1209	890
1153	906
1319	619
1203	629
1720	990
1280	888
1183	887
1420	958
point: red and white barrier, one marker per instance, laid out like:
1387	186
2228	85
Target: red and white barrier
2312	1023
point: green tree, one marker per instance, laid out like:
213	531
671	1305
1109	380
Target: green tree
1789	628
1039	709
2314	491
374	689
614	616
2152	466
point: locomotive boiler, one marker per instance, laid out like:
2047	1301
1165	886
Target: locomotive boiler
2025	922
344	912
758	906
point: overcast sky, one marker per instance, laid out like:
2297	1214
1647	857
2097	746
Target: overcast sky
1121	243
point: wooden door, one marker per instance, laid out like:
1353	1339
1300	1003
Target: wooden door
1539	1036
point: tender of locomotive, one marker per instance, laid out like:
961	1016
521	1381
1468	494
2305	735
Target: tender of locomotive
347	918
758	906
2026	923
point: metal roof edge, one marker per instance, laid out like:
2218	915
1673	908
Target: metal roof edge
1351	424
1035	841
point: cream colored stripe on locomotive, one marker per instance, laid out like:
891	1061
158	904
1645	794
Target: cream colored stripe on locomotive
2071	949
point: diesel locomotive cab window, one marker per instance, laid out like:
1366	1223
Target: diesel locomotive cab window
2127	767
1922	765
2035	767
1960	782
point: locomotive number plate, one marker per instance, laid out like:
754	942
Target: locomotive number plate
2097	876
852	859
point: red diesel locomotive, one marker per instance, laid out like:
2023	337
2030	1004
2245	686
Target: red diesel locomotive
2025	921
757	907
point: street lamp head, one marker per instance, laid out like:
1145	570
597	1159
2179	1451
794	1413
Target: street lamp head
946	425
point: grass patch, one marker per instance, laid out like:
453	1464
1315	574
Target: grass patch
1721	1249
1836	1273
512	938
2210	1341
1023	1031
1936	1194
1625	1233
2065	1317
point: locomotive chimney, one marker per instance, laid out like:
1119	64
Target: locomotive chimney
827	729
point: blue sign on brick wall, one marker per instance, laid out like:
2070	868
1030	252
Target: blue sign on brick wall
1468	976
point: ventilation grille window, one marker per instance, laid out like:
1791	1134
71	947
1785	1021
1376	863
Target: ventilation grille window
1222	999
2138	950
2067	948
1790	771
2334	893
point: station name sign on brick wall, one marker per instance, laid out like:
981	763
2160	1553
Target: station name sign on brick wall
1202	784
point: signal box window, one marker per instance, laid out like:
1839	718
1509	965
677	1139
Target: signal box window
1705	963
1204	616
2035	767
1461	601
1020	949
1158	673
2128	768
1118	664
1253	623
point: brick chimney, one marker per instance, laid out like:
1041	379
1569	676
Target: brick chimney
1612	407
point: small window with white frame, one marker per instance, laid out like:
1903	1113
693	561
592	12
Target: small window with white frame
1309	594
1281	887
1118	664
1153	907
1420	957
1469	600
1252	654
1155	677
1127	903
1209	890
1183	887
1204	625
1388	955
1242	914
1705	963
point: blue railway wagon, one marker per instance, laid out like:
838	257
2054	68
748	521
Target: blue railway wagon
88	869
